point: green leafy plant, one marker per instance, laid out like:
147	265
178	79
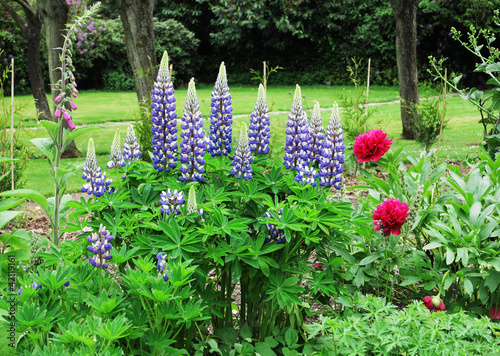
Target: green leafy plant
356	114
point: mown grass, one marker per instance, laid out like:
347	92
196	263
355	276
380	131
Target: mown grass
113	110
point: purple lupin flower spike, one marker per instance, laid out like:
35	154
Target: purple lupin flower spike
260	125
131	149
163	267
170	202
193	143
274	232
242	158
100	245
164	123
331	156
97	183
306	175
316	133
297	149
116	156
221	117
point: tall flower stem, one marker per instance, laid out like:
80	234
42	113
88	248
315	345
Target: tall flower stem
59	142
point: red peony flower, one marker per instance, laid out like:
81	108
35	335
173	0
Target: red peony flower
95	53
390	216
434	304
371	146
495	313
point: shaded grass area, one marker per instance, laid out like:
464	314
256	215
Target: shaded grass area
460	138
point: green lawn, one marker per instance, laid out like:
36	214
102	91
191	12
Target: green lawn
112	110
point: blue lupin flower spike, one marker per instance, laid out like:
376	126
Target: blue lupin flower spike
242	158
306	175
193	143
220	117
297	148
100	247
131	149
274	232
34	285
331	156
163	267
170	202
164	123
97	183
260	125
116	156
316	133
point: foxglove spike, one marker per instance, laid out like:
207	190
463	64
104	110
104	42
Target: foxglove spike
331	158
221	117
242	158
116	156
192	206
131	149
192	135
260	125
297	147
170	202
100	245
97	183
164	123
316	132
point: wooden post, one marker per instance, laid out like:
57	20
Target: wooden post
367	91
367	88
444	106
264	77
12	126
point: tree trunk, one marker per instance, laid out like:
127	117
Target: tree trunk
55	16
405	14
31	28
33	34
137	21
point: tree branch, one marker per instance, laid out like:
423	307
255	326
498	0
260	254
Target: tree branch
19	21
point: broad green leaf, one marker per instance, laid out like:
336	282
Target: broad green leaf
6	216
368	259
469	288
28	193
46	146
493	280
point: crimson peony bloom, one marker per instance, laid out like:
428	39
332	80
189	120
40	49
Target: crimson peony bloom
495	313
371	146
390	216
434	304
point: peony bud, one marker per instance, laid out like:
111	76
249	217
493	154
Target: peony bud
57	113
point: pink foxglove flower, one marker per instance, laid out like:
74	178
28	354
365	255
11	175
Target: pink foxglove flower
57	113
73	105
58	99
